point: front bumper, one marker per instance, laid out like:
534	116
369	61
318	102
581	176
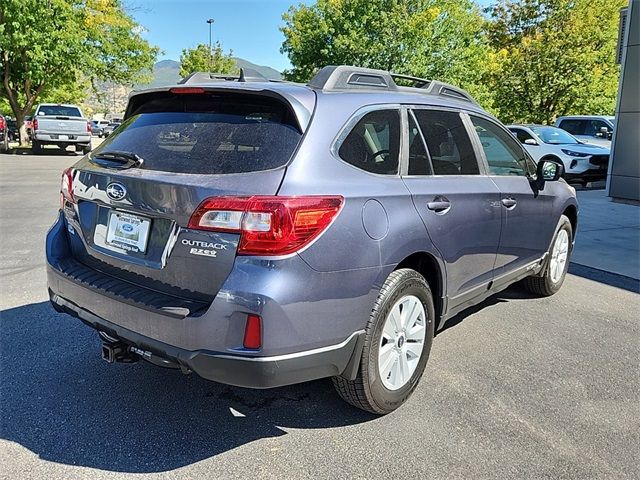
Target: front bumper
238	370
590	175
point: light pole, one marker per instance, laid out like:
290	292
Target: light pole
210	22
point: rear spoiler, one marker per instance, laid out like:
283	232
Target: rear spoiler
300	99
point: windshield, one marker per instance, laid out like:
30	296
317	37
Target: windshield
554	136
227	137
59	111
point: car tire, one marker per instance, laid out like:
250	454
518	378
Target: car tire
86	149
4	147
36	147
381	394
555	270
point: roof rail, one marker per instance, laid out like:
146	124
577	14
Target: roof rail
246	75
343	77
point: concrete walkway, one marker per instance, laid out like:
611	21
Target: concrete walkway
608	235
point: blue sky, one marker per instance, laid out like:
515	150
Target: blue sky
248	27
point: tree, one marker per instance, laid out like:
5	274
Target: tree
554	57
439	39
199	59
47	46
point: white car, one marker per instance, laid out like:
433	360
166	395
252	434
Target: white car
583	162
596	129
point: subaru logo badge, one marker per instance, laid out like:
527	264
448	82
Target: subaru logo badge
116	191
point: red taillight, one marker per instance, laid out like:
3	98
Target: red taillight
253	332
66	187
186	90
2	123
88	127
269	225
34	124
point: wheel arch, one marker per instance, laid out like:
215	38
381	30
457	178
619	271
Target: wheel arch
429	267
571	212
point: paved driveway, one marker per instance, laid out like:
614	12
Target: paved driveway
516	388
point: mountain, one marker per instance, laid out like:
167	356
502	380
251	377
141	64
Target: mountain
268	72
167	72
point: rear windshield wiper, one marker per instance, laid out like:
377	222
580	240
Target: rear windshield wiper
117	159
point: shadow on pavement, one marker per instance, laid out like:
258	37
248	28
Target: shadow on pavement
608	278
62	402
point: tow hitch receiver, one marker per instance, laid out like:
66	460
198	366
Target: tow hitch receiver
117	352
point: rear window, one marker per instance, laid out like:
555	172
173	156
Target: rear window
207	134
59	111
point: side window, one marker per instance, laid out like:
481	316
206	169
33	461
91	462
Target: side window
504	155
521	134
374	143
574	127
449	145
418	157
594	127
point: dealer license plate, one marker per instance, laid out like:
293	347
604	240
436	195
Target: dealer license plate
127	231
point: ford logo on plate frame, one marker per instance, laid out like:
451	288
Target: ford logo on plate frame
116	191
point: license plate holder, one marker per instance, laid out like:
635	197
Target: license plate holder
128	231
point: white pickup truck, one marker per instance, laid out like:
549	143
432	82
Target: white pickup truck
61	125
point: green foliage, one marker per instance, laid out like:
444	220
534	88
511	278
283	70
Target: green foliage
199	59
554	57
47	47
439	39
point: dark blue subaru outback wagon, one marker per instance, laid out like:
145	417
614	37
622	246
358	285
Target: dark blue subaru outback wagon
266	233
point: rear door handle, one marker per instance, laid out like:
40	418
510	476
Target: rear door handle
509	202
439	205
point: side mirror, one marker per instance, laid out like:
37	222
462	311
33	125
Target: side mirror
530	141
549	171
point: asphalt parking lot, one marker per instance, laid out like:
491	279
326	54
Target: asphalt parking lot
516	388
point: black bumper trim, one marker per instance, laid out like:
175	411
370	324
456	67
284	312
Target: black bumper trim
237	370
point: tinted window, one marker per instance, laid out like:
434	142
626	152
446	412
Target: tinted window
504	155
207	135
59	111
374	143
418	158
448	143
574	127
521	134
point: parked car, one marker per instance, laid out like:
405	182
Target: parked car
191	239
582	162
596	129
12	127
108	130
98	126
28	125
4	134
61	125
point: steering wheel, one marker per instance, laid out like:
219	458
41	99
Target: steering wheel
371	157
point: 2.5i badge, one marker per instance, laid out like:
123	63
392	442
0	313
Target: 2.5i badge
203	252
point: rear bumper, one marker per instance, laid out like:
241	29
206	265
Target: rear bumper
310	327
55	138
238	370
